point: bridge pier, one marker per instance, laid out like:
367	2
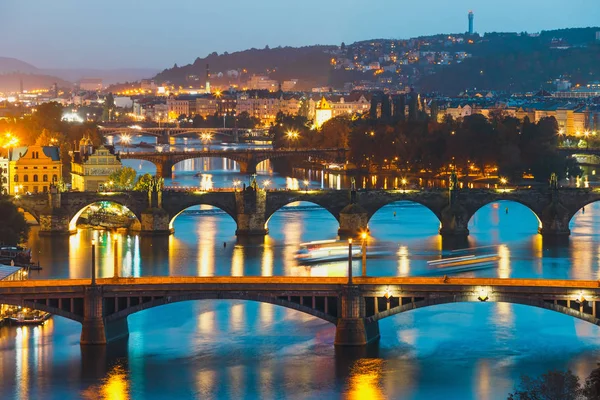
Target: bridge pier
250	206
554	221
164	169
247	167
163	138
55	222
92	330
353	221
155	222
352	328
454	222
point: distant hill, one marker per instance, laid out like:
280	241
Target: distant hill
11	82
8	65
108	76
309	64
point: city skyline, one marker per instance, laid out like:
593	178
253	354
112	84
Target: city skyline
127	36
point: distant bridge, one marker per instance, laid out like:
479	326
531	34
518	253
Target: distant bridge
247	159
163	134
57	213
355	306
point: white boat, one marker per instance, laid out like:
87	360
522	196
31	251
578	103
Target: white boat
326	250
463	263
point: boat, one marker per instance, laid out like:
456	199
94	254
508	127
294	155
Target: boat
29	317
463	263
17	257
325	250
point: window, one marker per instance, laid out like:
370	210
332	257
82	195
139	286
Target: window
16	178
54	178
36	189
45	178
26	178
45	189
35	178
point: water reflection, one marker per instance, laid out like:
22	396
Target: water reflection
365	380
114	387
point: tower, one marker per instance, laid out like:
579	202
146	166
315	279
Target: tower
471	17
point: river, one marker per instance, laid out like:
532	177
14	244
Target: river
239	349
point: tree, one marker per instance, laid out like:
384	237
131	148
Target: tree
373	109
144	183
123	178
109	106
591	390
14	228
553	385
386	108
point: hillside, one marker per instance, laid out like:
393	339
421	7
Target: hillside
507	61
9	65
308	64
11	82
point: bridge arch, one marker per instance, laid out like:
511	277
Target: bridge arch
321	314
34	305
582	208
172	218
396	217
503	208
75	217
302	207
531	302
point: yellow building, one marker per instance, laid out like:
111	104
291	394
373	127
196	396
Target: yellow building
323	112
33	169
91	168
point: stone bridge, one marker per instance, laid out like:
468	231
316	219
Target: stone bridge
165	133
247	159
354	305
251	209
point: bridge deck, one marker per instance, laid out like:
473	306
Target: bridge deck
266	281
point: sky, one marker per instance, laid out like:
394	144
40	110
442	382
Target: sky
158	33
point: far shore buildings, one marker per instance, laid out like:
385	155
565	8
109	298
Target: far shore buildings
33	169
91	167
4	175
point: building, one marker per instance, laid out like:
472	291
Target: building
323	112
289	85
265	106
262	82
91	84
177	107
4	177
91	167
33	169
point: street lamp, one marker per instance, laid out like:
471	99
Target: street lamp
503	181
236	183
306	185
125	139
364	236
206	138
403	182
292	135
266	184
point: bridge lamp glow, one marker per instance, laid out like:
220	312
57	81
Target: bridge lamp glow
483	294
266	183
387	294
581	298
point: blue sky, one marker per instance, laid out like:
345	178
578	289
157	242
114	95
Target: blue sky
158	33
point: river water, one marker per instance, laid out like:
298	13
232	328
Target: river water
238	349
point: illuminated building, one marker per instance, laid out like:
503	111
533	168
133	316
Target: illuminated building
4	175
33	169
323	112
91	84
91	167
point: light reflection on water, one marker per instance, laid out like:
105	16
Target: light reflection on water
224	349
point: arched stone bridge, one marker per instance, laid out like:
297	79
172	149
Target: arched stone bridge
247	159
355	308
165	133
251	210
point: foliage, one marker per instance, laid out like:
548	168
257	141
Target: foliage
553	385
14	228
109	107
123	178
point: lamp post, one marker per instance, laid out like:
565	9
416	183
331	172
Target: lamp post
350	261
364	237
306	185
93	262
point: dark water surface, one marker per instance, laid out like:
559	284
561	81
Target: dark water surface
240	349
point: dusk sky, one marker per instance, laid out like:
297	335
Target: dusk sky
158	33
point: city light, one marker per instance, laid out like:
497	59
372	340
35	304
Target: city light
266	183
